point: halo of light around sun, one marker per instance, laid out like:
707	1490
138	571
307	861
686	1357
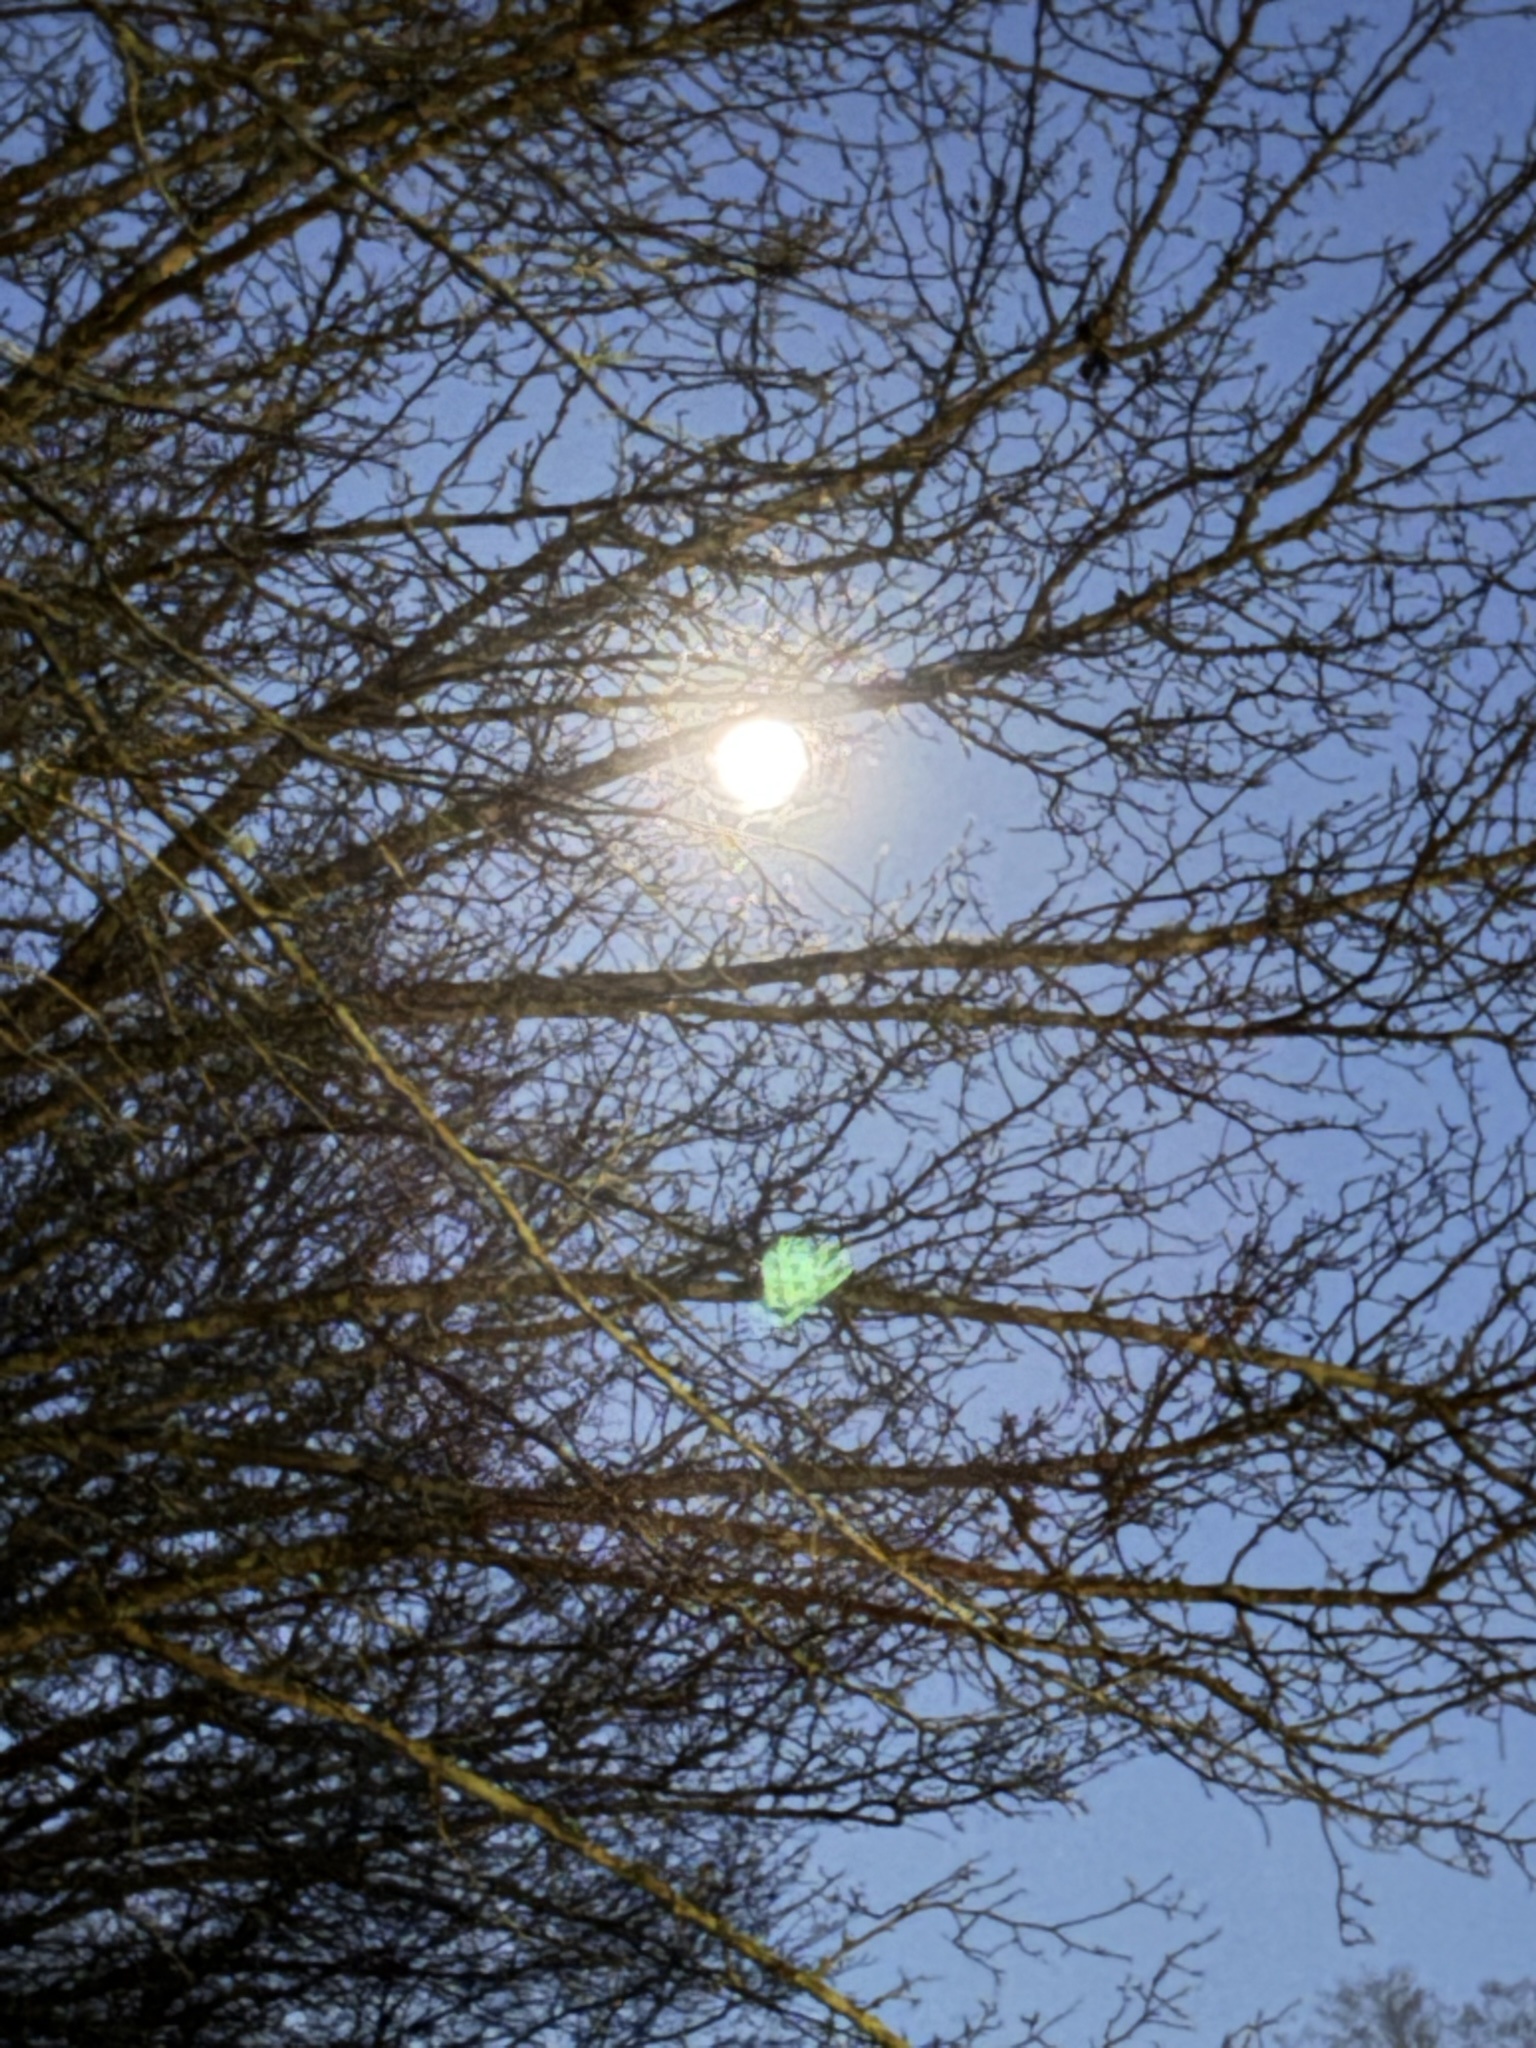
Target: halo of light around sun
761	763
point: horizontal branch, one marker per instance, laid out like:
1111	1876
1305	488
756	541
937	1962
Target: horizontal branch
867	1295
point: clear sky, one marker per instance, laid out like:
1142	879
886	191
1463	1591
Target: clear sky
1265	1884
1264	1887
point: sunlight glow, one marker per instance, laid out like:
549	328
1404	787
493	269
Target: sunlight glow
760	763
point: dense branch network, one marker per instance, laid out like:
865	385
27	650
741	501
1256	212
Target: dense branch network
440	1605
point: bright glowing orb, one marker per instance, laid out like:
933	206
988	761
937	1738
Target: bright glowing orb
760	763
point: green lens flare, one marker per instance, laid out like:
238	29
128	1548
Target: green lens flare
798	1272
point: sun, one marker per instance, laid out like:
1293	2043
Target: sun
761	763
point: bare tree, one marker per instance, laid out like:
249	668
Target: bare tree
439	1606
1390	2009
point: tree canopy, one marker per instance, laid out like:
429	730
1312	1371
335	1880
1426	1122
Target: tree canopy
1390	2009
440	1604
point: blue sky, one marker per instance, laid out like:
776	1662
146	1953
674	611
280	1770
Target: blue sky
900	801
1264	1885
